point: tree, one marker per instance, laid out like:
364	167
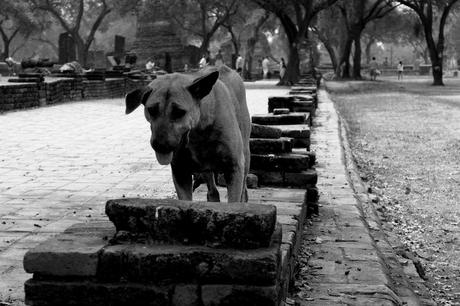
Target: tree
201	18
356	16
296	16
427	11
328	27
73	16
15	20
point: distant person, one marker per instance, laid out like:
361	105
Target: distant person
265	67
373	66
150	65
239	64
168	63
400	70
202	62
282	68
219	59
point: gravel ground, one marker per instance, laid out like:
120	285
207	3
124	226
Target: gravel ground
406	142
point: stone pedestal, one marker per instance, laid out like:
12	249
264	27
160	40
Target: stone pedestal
162	252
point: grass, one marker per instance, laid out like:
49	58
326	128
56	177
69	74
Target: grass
407	145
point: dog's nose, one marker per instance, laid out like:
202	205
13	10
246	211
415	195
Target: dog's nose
161	147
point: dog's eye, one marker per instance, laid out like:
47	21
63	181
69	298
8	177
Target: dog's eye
154	111
177	113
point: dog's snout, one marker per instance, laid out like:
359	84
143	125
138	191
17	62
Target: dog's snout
161	147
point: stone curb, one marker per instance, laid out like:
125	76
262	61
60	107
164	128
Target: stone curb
405	278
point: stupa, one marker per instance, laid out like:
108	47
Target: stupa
156	38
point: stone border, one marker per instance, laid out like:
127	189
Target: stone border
402	268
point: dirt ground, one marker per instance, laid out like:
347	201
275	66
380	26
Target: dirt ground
405	138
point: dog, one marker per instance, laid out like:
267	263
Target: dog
199	124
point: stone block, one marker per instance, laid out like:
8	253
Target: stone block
213	295
68	254
291	118
294	131
279	162
186	295
302	179
281	111
252	181
172	263
263	131
63	293
269	178
303	143
311	155
266	146
236	225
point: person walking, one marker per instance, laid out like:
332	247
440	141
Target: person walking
219	59
282	68
202	62
373	66
400	70
239	65
265	68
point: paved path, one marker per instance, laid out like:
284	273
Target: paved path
60	164
343	245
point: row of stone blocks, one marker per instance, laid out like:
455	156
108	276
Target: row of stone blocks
24	95
164	252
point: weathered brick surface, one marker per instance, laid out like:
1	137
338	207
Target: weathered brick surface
263	131
81	293
239	225
280	162
67	255
239	295
267	146
291	118
188	264
294	131
302	179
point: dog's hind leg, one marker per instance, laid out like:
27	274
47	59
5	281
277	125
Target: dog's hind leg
213	193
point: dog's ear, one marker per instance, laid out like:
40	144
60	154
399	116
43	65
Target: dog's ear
136	97
202	86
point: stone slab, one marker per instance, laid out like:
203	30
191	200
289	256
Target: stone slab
267	146
160	264
280	111
264	131
63	293
280	162
68	254
235	225
291	118
213	295
302	179
294	130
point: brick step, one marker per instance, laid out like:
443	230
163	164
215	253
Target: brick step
293	103
63	293
76	255
264	131
283	162
291	118
303	179
233	225
267	145
300	134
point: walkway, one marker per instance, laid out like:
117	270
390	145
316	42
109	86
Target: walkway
60	164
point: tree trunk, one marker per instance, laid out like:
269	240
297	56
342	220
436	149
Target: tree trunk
248	59
332	55
357	58
292	74
82	52
344	68
436	67
6	49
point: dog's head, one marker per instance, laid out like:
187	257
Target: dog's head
172	106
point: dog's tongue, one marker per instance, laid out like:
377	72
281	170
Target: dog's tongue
164	158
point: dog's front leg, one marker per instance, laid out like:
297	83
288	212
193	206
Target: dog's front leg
235	182
182	182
